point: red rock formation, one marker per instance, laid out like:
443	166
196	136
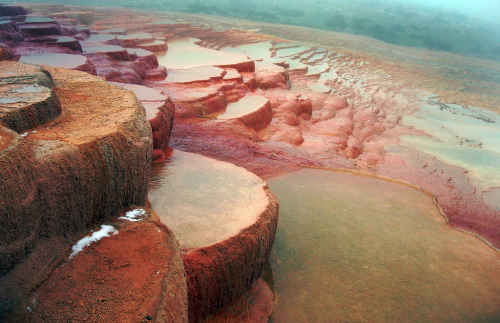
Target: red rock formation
268	75
254	111
134	275
219	274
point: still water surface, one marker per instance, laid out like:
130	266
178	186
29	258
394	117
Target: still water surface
354	248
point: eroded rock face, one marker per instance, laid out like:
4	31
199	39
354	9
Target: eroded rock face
66	174
225	218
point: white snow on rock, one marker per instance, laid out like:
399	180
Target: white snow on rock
134	215
106	231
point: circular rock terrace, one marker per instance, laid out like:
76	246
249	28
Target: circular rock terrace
71	156
225	218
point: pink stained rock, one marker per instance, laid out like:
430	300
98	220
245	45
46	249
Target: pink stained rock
154	46
10	32
63	41
156	74
225	223
268	75
116	52
196	102
134	40
41	29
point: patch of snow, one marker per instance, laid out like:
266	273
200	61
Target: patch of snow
134	215
24	134
106	231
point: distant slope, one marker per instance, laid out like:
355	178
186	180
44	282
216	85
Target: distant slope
391	22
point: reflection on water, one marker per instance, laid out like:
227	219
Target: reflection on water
353	248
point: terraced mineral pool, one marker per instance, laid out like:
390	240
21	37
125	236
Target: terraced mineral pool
203	200
353	248
185	54
197	74
244	106
69	61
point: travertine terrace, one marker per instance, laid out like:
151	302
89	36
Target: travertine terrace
54	134
80	135
226	224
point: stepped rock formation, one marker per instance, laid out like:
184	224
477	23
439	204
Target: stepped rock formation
90	138
225	218
67	171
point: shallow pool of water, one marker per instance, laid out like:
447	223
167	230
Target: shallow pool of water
244	106
353	248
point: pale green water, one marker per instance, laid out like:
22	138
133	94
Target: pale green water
353	248
464	137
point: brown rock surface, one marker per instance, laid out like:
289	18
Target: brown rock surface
134	275
68	174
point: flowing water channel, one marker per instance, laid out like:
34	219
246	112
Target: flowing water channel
353	248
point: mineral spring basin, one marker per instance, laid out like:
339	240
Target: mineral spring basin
361	249
244	106
205	201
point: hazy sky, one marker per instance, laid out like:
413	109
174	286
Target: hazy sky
486	9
